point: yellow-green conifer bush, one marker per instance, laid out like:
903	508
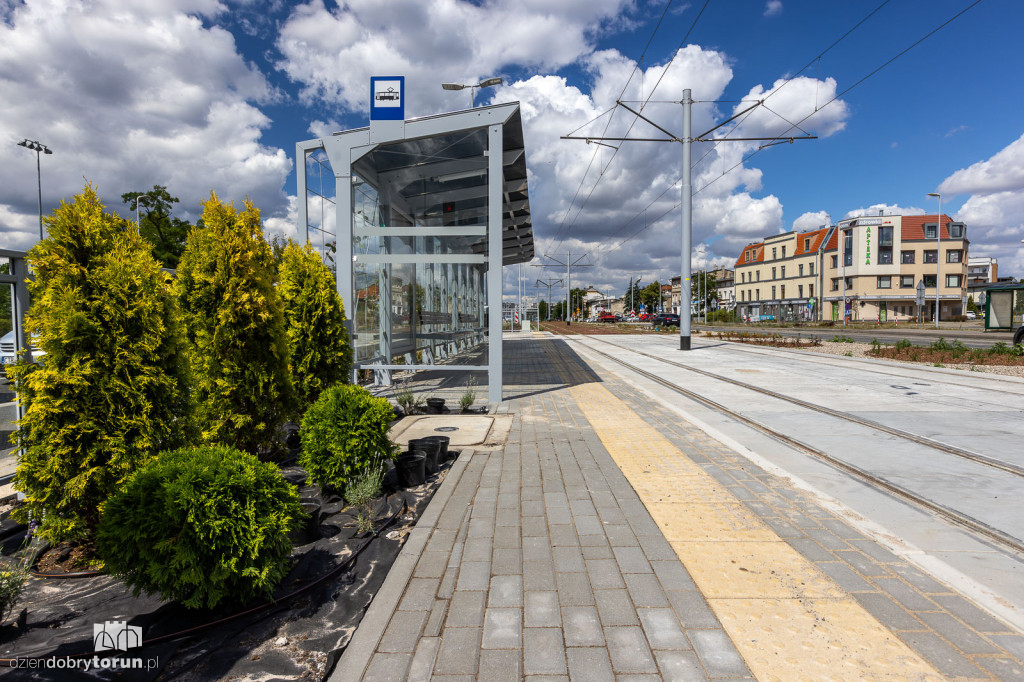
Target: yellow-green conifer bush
112	389
318	342
235	328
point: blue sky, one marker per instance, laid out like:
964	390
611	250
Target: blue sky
203	95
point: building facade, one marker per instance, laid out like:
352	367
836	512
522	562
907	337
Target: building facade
780	279
981	272
875	266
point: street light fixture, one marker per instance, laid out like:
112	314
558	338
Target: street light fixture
37	147
938	253
462	86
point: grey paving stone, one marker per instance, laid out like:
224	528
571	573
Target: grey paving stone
466	609
941	655
503	629
590	664
920	580
387	668
448	580
541	610
589	525
692	609
559	516
784	529
615	607
582	508
419	594
474	575
888	612
679	666
507	517
505	590
956	633
568	559
845	577
582	626
863	564
573	589
507	562
458	653
841	529
645	589
499	665
629	651
543	652
534	526
905	595
717	653
604	574
1003	668
810	549
431	564
632	560
538	575
1011	643
971	614
508	537
656	548
422	665
662	629
673	575
537	548
611	515
827	539
621	536
477	549
403	632
603	551
436	618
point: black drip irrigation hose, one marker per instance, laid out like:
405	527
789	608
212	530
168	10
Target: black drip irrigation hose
274	602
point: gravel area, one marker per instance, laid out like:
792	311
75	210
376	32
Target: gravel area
860	350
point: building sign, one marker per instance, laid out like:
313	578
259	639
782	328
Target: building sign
387	98
867	254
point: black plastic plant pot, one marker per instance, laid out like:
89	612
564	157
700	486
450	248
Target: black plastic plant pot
310	528
435	405
429	448
411	469
442	446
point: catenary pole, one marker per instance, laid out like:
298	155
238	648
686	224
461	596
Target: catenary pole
687	232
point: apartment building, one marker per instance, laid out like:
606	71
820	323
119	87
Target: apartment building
781	278
875	265
981	272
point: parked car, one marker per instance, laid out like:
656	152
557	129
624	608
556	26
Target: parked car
971	315
1019	336
665	319
606	317
7	353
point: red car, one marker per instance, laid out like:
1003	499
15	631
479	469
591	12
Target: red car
606	317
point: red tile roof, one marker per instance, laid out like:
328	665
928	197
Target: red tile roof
814	235
756	254
913	226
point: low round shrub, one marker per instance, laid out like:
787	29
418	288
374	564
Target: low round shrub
201	525
344	434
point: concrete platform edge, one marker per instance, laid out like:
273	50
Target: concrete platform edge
353	662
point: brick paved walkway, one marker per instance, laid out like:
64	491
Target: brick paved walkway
539	560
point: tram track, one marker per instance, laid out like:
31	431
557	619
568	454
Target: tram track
953	516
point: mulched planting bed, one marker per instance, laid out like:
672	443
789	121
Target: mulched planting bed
925	354
300	634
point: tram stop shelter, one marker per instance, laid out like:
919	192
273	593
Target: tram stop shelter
1004	306
421	215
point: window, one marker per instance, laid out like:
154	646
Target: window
907	257
807	244
954	256
800	291
835	284
812	269
952	280
810	290
835	262
759	276
782	293
906	281
783	272
774	253
849	283
885	282
931	256
748	257
773	293
783	251
848	247
885	245
956	230
758	292
930	231
929	281
773	273
801	270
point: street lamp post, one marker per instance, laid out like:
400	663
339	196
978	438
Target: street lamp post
938	253
462	86
37	147
632	288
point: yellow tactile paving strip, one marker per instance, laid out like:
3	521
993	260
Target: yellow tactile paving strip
788	620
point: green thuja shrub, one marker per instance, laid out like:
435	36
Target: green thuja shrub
112	389
344	434
234	323
318	342
201	525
